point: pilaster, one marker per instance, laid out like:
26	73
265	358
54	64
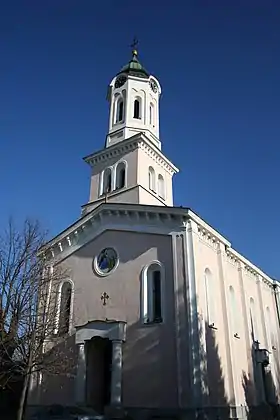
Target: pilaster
194	336
262	311
116	375
221	253
181	320
248	341
81	375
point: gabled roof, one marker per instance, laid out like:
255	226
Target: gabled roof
161	220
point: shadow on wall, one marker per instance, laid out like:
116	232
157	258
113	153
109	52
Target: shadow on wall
150	377
214	378
9	398
260	385
149	355
214	400
149	368
57	384
150	373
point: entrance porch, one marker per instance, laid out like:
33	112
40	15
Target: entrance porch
99	367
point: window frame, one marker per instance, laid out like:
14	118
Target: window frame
137	115
146	295
209	298
152	179
161	186
124	163
58	306
102	191
119	101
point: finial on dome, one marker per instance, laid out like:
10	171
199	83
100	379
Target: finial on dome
133	46
134	67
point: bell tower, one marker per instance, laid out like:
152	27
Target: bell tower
133	97
132	168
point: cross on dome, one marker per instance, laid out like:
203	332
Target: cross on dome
134	44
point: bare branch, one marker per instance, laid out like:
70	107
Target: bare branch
28	305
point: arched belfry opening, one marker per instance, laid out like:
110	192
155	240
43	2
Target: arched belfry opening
132	169
107	181
137	109
120	110
134	96
120	175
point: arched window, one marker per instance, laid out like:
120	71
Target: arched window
210	298
152	179
271	337
151	114
120	175
120	110
161	187
137	110
65	308
107	181
152	293
233	312
254	325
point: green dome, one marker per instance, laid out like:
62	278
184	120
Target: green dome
134	67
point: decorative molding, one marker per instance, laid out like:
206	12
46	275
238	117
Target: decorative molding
145	219
194	337
113	330
207	237
111	217
146	294
98	271
213	238
178	327
231	258
248	269
115	150
204	225
252	269
58	303
158	157
133	143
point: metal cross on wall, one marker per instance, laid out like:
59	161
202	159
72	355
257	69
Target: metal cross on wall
104	297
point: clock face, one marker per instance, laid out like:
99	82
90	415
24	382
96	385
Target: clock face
153	86
120	81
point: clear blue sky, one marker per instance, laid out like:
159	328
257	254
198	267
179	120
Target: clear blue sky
219	66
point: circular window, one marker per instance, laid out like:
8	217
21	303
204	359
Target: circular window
106	261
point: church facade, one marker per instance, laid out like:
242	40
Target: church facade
165	316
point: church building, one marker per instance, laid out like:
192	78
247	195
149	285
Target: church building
165	317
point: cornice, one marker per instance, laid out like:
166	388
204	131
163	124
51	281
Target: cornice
213	238
88	207
113	216
205	230
143	218
158	157
112	151
251	269
207	237
134	142
231	258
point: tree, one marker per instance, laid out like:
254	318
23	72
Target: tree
28	308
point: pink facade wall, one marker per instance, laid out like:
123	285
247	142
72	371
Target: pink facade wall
149	353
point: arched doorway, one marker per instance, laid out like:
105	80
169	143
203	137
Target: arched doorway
99	367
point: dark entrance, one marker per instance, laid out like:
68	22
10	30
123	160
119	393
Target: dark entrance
98	381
